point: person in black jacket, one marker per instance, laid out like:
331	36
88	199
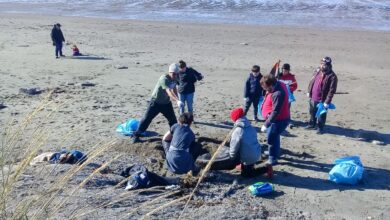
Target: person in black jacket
253	91
58	38
186	85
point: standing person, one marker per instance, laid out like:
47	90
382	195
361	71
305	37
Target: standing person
186	85
276	112
160	102
289	79
322	87
58	38
180	147
253	91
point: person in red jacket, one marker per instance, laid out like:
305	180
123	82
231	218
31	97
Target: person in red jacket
288	78
276	112
76	51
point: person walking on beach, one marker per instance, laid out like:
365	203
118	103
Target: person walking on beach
276	112
180	147
163	93
186	85
58	38
289	79
322	87
253	91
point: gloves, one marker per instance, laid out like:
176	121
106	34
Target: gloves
326	105
264	129
180	103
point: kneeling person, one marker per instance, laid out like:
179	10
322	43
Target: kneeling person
180	147
244	147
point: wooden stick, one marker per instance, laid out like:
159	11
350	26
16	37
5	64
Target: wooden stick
205	170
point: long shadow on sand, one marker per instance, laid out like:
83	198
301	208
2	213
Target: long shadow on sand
220	125
373	178
224	125
361	134
86	57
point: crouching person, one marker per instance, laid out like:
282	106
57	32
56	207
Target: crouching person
244	147
180	147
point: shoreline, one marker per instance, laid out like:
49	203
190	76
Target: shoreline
192	22
83	117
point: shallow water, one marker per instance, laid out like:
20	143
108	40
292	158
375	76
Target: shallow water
354	14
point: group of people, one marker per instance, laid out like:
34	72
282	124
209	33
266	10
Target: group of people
270	92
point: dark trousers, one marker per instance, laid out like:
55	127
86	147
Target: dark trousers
313	120
224	161
273	137
58	48
253	100
153	110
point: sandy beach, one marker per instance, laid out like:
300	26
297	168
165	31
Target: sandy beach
87	116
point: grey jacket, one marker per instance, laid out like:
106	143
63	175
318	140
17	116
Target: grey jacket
244	143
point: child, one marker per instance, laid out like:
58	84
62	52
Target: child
253	91
76	51
289	80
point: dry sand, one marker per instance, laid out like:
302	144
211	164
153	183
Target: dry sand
224	54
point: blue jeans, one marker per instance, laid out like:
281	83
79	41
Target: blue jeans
273	137
58	48
186	98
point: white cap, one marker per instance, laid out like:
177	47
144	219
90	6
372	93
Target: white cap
173	68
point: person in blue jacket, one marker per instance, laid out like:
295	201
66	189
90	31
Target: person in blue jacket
253	91
180	147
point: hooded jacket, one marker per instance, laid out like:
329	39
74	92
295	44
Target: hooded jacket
328	85
244	143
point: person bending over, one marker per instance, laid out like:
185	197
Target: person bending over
180	147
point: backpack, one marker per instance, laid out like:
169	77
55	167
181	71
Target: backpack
139	177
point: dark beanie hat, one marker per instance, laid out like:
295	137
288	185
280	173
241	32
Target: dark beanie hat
286	66
327	60
236	114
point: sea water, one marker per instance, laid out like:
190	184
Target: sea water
350	14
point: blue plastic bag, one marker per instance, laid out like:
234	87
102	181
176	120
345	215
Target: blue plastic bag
129	127
291	97
261	188
321	109
261	100
347	170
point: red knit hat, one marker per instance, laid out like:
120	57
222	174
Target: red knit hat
236	114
